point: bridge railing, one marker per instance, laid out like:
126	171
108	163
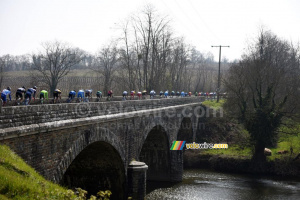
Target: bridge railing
34	114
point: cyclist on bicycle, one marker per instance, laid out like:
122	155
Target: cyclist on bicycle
19	93
172	94
132	93
99	95
4	93
109	93
139	94
161	93
30	93
72	95
44	94
80	94
56	95
166	94
178	94
125	94
144	93
190	94
152	93
88	93
182	94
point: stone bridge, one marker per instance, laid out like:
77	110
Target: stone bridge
97	146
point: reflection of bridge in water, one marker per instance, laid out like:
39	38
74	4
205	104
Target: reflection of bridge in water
92	145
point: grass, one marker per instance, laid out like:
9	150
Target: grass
232	151
213	103
288	137
20	181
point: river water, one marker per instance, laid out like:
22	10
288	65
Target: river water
206	184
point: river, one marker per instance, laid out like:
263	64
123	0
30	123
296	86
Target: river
206	184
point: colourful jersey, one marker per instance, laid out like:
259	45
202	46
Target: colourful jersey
80	94
45	93
4	93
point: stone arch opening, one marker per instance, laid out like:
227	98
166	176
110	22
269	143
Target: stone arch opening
185	132
97	167
156	154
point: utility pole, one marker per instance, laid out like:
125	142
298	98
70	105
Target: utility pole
219	76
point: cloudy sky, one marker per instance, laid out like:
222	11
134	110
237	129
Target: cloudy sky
89	24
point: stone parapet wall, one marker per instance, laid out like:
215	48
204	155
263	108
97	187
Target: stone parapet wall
35	114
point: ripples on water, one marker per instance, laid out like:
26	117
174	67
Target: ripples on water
204	184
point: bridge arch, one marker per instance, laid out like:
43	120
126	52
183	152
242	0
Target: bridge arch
155	153
95	161
185	131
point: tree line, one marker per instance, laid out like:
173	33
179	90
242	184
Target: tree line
147	55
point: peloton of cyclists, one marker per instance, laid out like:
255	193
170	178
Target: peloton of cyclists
4	94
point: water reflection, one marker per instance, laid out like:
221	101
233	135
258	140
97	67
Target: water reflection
205	184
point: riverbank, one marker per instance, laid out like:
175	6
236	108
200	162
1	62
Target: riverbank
287	166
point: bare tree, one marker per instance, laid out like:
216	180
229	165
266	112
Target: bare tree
105	64
55	61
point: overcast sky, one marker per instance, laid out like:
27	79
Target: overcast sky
89	24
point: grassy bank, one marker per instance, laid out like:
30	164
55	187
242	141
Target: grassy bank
20	181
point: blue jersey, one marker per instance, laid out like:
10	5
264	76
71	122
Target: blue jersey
73	93
80	94
31	91
166	93
182	94
6	92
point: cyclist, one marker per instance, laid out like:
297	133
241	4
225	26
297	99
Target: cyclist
178	94
161	93
190	94
43	95
172	94
72	95
56	95
109	94
80	95
139	94
4	93
125	94
166	94
144	93
30	93
99	95
182	94
88	93
132	93
19	93
152	93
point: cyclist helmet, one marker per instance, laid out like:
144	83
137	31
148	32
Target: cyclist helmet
24	87
8	88
34	87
